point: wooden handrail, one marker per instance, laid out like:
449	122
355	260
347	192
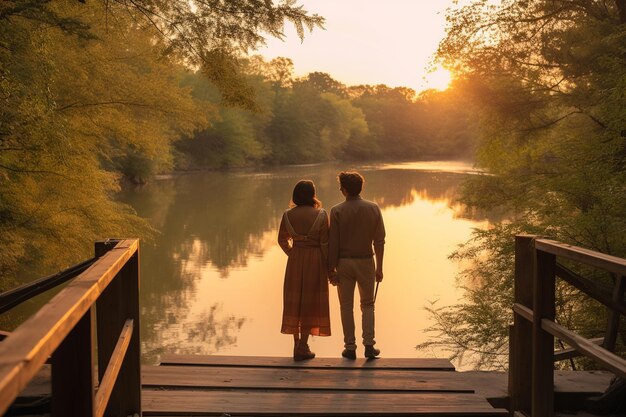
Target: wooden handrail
610	360
589	348
16	296
531	369
570	353
524	312
588	257
24	351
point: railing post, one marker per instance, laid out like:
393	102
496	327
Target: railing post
119	302
520	335
612	327
73	367
543	342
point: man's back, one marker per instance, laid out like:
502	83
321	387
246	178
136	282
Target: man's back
354	225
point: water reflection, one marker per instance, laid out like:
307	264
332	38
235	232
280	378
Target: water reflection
212	280
181	331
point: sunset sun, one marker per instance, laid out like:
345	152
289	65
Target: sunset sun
438	79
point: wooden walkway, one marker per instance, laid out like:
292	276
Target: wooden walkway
257	386
89	334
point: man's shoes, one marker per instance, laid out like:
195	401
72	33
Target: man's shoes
302	352
371	352
349	353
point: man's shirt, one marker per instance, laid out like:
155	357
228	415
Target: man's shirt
355	225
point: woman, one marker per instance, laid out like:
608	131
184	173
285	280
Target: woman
303	236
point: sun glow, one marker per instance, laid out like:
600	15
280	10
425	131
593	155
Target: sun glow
439	79
364	43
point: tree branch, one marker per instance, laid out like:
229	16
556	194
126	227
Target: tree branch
552	122
28	171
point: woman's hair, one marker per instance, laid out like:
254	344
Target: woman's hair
352	182
304	195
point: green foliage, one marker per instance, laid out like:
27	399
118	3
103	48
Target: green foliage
210	34
234	139
68	106
91	93
546	79
431	126
347	133
324	83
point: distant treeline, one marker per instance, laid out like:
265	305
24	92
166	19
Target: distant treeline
316	118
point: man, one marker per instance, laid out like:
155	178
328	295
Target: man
355	226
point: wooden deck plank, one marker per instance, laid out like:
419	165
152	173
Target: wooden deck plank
247	402
310	379
413	364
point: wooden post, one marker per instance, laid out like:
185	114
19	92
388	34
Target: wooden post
520	335
612	327
73	364
543	342
119	302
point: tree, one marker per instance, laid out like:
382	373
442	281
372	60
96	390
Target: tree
324	83
279	72
211	34
346	134
91	90
236	136
295	129
391	114
445	118
548	80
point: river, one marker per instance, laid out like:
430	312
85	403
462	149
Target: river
211	281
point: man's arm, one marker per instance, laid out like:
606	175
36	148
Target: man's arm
379	246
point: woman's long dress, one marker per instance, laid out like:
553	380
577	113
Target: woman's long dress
305	291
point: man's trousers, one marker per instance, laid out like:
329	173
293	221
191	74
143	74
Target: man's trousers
352	272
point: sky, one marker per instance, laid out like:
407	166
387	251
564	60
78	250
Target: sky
369	42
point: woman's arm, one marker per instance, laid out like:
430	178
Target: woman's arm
284	239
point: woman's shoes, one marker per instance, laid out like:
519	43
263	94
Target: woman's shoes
302	352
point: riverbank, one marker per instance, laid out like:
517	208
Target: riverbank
461	166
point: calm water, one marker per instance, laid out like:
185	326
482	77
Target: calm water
212	280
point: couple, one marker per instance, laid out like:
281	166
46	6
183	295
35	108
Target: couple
338	250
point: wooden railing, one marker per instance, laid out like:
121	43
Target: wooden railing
89	333
531	344
16	296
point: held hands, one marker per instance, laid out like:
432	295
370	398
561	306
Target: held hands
332	277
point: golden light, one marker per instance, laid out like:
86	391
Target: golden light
439	79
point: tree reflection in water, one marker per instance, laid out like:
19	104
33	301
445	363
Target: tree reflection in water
202	334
